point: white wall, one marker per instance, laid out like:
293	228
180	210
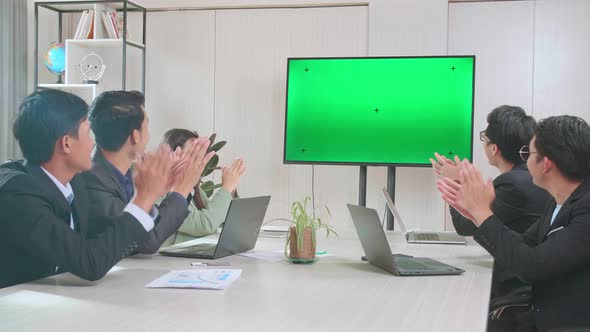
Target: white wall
501	35
180	71
407	27
562	58
251	51
229	76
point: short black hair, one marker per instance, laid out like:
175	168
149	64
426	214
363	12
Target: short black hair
510	128
43	118
177	137
565	140
113	117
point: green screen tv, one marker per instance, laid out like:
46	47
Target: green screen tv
391	111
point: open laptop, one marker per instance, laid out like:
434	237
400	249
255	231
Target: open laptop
422	236
240	231
370	232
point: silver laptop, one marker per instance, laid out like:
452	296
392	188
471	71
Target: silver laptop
240	231
422	236
376	247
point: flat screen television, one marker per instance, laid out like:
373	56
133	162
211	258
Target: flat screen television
393	111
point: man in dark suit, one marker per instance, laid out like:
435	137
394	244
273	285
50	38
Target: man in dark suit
518	203
553	253
120	125
44	204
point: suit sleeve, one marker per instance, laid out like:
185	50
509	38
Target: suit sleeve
462	225
563	251
509	203
32	226
172	212
101	203
530	236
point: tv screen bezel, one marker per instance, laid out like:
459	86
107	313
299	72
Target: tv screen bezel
346	163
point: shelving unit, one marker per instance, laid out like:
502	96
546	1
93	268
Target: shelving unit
117	54
85	91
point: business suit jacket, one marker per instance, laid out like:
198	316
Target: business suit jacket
36	238
108	198
518	204
555	259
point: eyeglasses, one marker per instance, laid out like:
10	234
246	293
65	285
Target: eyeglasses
525	153
483	137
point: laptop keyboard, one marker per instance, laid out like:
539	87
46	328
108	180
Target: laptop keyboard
413	265
426	237
200	249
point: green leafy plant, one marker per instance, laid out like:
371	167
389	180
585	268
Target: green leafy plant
209	186
302	219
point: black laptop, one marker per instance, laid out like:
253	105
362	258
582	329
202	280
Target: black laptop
370	232
240	231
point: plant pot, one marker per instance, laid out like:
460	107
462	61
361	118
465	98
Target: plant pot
307	251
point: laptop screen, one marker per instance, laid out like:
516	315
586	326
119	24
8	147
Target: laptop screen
393	210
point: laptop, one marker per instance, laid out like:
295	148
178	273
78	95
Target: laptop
240	231
378	253
422	236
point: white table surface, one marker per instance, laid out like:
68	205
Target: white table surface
338	293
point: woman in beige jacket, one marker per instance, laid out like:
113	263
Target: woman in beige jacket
205	214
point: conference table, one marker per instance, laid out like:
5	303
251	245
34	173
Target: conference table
338	293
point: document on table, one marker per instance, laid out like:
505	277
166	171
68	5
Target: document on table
275	256
197	278
274	231
269	256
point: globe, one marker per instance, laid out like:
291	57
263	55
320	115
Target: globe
55	59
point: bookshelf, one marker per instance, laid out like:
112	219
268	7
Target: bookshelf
124	57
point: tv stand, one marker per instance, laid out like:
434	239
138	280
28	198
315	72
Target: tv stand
363	186
390	190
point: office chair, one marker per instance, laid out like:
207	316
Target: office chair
521	297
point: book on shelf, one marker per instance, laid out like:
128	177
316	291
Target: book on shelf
109	18
108	24
80	24
90	34
115	26
85	29
98	23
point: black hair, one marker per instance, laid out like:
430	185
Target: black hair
177	137
43	118
565	140
509	127
113	117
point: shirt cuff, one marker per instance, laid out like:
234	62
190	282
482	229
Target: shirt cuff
146	220
184	199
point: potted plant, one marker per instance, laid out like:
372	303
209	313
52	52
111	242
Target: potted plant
300	246
209	186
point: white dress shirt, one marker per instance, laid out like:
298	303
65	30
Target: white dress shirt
555	213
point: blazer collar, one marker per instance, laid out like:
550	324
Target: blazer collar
48	184
102	167
563	216
521	167
581	191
